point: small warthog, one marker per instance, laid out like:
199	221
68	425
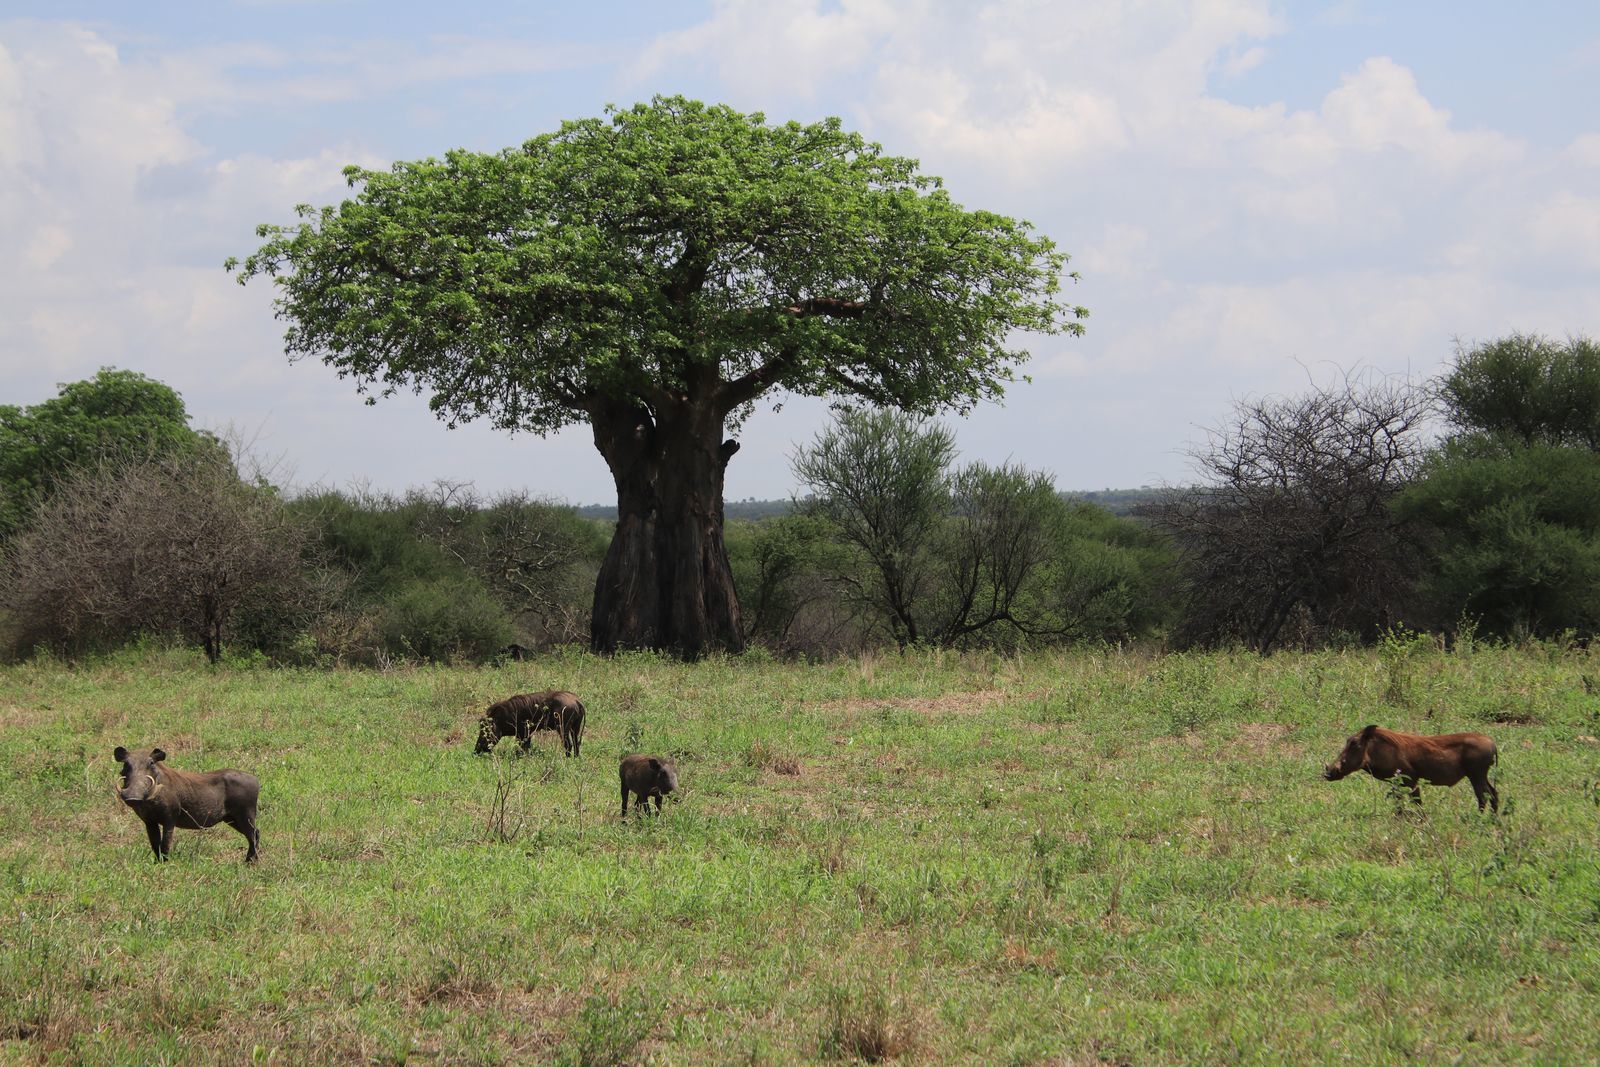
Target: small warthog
646	777
1443	759
166	798
519	716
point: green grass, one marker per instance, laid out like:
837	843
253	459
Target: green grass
1071	858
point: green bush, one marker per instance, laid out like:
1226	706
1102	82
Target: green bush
1516	537
444	620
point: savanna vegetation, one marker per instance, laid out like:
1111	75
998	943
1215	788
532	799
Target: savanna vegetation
1081	856
999	776
195	543
1326	519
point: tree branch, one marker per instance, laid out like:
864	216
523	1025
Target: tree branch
747	387
831	306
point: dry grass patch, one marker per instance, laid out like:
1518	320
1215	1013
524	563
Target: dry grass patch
763	756
14	715
964	703
1018	957
1263	735
874	1026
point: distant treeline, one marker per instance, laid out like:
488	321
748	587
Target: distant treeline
749	510
1123	502
1336	517
122	523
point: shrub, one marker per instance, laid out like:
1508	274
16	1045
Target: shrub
444	619
172	544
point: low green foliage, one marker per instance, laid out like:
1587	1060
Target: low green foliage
1076	856
444	620
1516	535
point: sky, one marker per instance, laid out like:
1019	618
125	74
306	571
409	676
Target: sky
1257	196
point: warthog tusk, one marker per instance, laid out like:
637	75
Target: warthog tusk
155	786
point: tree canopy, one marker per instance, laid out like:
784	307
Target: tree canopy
1517	537
169	542
117	413
653	272
1512	500
1526	389
1295	538
629	258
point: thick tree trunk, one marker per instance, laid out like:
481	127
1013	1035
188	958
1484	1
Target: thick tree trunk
665	583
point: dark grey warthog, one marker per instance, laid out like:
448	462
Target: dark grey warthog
646	777
521	715
166	798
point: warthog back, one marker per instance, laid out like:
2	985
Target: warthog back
521	715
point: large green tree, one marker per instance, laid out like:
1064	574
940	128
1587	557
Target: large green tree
1527	389
1516	542
117	413
1512	499
653	273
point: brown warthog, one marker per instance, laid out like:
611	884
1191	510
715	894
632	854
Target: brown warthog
646	777
1442	759
521	715
166	798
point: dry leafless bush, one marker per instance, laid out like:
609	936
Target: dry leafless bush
172	544
1291	533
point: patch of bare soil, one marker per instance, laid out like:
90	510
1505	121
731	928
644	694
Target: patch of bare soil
1192	741
972	703
16	715
1264	735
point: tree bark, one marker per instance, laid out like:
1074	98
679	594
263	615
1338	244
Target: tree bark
665	584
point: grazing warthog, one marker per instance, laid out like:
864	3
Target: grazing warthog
646	777
1443	759
166	798
519	716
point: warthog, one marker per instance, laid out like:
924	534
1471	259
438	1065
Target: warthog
166	798
646	777
1442	759
521	715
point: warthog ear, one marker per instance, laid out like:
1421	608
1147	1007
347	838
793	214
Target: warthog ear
120	755
655	765
157	754
1366	735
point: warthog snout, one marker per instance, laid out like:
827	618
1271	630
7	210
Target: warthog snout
139	789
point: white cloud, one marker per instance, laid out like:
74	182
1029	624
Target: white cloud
1380	107
754	44
1124	252
121	216
1567	226
45	246
1585	150
1241	63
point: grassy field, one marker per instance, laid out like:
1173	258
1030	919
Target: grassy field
1071	858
